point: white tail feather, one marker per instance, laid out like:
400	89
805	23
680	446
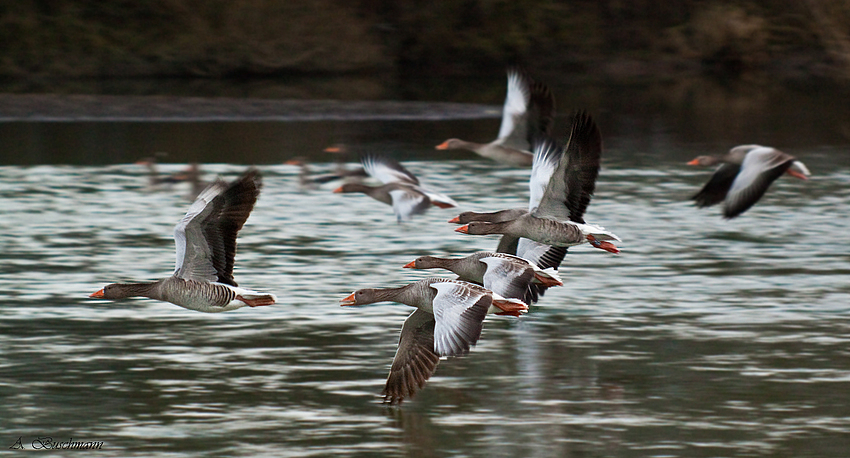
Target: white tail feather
250	294
800	167
597	232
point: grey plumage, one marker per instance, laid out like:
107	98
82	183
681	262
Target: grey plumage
205	242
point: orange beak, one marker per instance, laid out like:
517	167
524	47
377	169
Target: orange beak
463	229
694	162
333	149
444	145
410	265
97	294
349	300
338	190
455	220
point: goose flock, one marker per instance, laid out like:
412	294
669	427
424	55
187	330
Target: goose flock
449	313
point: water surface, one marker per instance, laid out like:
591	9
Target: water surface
705	337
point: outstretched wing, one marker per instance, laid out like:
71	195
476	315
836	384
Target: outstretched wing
718	186
513	130
547	156
194	255
760	168
508	277
415	360
572	184
541	112
407	201
205	239
387	170
543	256
459	310
529	111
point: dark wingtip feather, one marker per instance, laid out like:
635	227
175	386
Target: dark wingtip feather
415	360
715	190
221	227
753	193
584	150
542	108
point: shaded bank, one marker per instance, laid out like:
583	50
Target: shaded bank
215	38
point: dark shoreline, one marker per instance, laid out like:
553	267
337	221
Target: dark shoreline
87	108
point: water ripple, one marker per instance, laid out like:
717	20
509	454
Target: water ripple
705	337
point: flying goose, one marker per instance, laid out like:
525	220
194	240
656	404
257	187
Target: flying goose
745	173
504	274
556	208
448	320
529	110
401	189
205	241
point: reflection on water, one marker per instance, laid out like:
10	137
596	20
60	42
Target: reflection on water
704	337
642	122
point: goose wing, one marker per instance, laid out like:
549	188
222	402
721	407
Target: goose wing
544	257
540	115
571	186
508	276
529	111
547	156
205	239
459	311
508	244
415	360
513	130
408	201
387	170
760	168
718	185
539	254
193	253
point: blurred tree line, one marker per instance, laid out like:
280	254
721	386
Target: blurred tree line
213	38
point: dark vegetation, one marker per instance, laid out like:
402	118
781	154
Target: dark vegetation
215	38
